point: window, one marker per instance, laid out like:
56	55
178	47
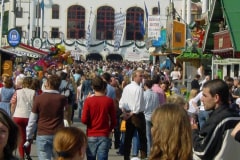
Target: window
19	12
155	11
76	22
105	23
38	11
55	11
133	24
55	33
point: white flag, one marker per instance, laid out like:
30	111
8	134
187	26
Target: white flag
88	33
118	29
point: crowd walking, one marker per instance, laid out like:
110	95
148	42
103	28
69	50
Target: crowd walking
138	108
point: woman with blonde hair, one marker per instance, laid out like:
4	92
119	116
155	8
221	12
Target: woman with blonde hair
171	133
126	81
70	143
21	106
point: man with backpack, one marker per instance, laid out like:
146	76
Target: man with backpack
66	88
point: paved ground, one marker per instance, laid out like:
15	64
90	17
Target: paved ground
112	153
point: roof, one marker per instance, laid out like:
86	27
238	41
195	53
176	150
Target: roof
23	49
229	10
232	14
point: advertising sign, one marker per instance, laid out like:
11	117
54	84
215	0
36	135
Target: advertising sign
37	43
154	26
178	37
14	37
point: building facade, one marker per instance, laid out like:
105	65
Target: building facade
87	26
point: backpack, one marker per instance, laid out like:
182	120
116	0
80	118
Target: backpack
67	93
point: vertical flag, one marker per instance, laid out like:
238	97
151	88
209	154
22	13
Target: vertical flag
42	8
159	8
142	30
146	11
88	33
119	24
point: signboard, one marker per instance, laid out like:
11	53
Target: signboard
227	61
178	37
7	68
37	43
14	37
137	56
154	26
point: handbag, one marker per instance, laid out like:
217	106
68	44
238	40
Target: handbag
75	106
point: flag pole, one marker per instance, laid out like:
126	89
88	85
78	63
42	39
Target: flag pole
2	13
42	7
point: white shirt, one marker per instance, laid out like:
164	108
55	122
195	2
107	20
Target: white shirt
191	108
198	98
175	75
132	98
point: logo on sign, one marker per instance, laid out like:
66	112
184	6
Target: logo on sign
14	37
37	43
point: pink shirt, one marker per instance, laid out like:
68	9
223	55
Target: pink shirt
161	95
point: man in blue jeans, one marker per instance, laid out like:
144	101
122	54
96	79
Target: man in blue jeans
99	115
47	114
151	102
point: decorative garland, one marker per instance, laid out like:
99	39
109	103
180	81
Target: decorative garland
62	41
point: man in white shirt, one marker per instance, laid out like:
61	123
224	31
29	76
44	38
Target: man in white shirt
132	105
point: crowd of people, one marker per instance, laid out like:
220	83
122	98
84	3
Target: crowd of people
137	104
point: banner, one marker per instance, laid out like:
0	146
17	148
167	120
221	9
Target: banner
88	32
118	29
161	39
154	26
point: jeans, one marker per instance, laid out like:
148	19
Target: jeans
98	148
121	147
202	117
80	106
44	147
135	144
149	136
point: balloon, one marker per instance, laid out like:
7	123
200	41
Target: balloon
37	68
61	48
53	51
42	63
69	60
40	74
